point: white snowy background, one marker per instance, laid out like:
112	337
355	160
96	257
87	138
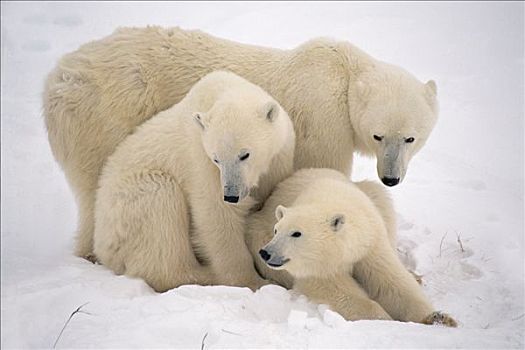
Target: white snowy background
467	183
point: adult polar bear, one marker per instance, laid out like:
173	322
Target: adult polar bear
339	98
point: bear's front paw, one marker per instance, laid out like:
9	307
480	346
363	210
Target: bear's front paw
258	283
441	318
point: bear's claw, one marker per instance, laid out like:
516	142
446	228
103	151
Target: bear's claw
440	318
91	258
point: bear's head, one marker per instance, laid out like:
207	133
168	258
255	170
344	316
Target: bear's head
241	134
393	115
322	236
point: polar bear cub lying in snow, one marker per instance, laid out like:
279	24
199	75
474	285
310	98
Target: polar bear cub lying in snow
328	229
173	198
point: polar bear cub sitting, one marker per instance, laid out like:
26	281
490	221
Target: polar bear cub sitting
332	229
173	198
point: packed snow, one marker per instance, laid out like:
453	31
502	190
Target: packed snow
460	207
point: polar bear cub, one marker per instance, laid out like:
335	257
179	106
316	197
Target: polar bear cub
332	229
173	198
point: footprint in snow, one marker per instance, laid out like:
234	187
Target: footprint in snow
453	259
405	225
404	251
469	271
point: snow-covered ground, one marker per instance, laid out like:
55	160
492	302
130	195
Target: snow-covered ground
460	207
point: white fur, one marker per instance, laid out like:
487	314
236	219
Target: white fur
336	95
389	103
344	255
160	212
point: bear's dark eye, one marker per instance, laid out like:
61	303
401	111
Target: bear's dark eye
409	140
275	231
244	157
378	138
215	161
296	234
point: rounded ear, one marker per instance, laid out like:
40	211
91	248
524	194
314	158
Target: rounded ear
337	222
199	119
431	93
270	111
431	88
279	212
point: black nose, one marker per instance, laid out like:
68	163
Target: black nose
265	255
231	199
390	181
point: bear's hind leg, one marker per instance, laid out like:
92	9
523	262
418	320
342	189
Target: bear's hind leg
152	220
86	221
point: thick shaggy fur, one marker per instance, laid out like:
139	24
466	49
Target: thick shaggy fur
337	96
343	255
162	197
